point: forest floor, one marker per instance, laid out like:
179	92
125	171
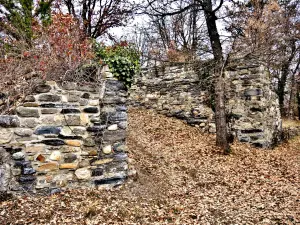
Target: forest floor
182	179
288	123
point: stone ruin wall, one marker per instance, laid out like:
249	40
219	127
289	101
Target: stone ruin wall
252	107
65	135
174	91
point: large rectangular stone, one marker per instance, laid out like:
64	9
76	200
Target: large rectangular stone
9	121
28	112
49	98
114	136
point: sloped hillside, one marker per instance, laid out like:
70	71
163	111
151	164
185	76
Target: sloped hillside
182	178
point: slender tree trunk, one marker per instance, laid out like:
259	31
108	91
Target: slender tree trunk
298	102
220	114
292	98
281	87
293	94
284	75
194	31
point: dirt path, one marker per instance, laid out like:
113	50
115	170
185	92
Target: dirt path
182	179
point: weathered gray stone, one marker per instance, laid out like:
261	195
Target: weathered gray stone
108	109
29	122
49	98
28	112
114	136
94	119
120	156
69	158
26	139
43	88
73	120
29	98
49	111
84	163
83	174
107	149
6	135
114	100
96	129
253	92
9	121
26	179
122	125
47	130
18	156
119	147
113	117
79	130
22	163
115	85
23	132
28	171
121	108
67	85
83	102
113	127
74	97
53	120
110	181
89	142
16	171
88	88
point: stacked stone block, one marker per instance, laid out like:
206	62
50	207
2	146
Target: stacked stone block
66	135
252	106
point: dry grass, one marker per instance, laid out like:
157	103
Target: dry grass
182	179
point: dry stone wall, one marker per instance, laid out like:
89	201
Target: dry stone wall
173	91
65	135
252	107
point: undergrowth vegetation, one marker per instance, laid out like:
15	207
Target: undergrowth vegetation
122	58
57	50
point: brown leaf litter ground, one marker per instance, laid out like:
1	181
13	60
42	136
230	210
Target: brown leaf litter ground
182	179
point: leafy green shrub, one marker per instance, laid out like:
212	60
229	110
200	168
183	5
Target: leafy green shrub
123	60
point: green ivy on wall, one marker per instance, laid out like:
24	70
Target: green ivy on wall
123	60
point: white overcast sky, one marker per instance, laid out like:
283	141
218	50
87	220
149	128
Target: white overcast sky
141	19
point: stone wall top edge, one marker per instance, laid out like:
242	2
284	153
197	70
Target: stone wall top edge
177	65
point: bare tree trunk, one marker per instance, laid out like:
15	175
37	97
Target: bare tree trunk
281	87
220	113
283	79
293	93
194	31
292	98
298	102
